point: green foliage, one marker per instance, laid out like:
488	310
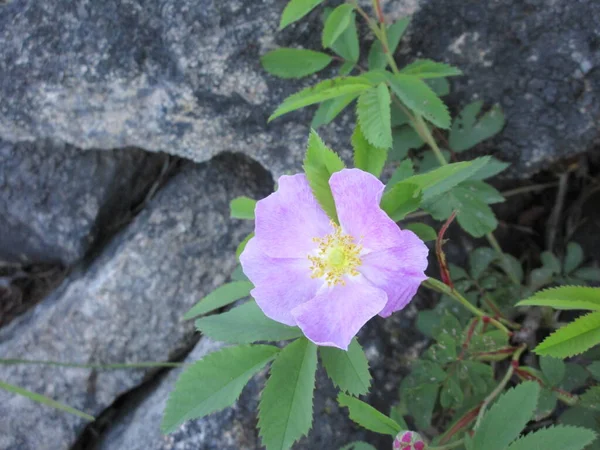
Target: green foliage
426	68
42	399
349	370
594	369
330	109
366	156
222	296
294	62
493	167
245	324
295	10
574	257
401	200
367	416
376	58
480	259
425	232
566	297
214	383
555	438
242	245
572	339
325	90
554	370
419	97
505	420
358	446
286	405
402	172
347	45
467	131
404	139
242	208
319	164
336	24
374	116
591	398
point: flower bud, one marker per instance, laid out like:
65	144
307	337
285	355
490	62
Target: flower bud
409	440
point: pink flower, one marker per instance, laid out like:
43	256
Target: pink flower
409	440
329	280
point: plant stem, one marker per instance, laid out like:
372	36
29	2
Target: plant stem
440	287
449	446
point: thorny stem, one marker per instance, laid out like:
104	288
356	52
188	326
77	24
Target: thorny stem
509	373
440	287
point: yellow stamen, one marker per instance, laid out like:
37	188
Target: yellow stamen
337	255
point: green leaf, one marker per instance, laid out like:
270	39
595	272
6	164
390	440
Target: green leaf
594	369
467	131
346	68
493	167
367	416
347	45
402	172
336	23
426	68
242	208
575	377
245	324
319	164
566	297
421	400
45	400
555	438
377	59
554	369
590	399
405	138
513	265
330	109
577	337
325	90
550	261
588	274
419	97
222	296
374	117
505	420
440	86
483	191
240	248
349	370
425	232
294	62
213	383
401	200
366	156
286	405
441	180
358	446
480	259
574	257
295	10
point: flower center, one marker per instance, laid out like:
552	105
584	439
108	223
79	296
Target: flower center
337	255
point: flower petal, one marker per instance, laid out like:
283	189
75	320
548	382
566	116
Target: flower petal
280	284
289	219
337	313
398	271
357	195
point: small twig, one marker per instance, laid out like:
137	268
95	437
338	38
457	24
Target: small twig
554	219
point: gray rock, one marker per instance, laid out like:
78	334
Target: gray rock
539	60
56	200
127	306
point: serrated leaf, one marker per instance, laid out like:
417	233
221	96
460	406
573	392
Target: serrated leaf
325	90
467	131
42	399
374	116
594	369
242	245
242	208
245	324
319	164
349	370
440	86
367	157
213	383
347	45
330	109
480	259
421	401
505	420
425	232
402	172
554	369
286	404
336	24
294	62
493	167
483	191
590	399
376	58
295	10
358	446
575	377
400	200
566	297
574	257
577	337
555	438
419	97
367	416
426	68
222	296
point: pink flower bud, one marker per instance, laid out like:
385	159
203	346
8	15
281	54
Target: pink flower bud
409	440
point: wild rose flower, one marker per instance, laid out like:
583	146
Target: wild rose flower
325	278
409	440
